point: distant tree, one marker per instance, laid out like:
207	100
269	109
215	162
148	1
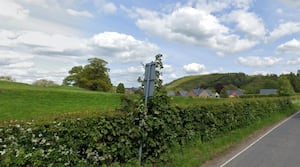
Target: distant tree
93	76
219	87
120	88
294	80
44	83
223	93
285	87
271	84
7	78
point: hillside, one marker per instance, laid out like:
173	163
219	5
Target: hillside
23	101
251	84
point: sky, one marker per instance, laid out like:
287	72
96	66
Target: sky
44	39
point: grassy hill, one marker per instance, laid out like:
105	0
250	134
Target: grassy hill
24	102
250	83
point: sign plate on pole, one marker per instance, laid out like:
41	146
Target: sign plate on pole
149	79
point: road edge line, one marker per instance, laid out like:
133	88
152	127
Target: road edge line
257	140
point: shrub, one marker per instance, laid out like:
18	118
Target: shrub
111	139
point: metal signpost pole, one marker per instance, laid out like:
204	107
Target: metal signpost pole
148	92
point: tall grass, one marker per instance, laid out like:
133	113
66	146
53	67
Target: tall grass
24	102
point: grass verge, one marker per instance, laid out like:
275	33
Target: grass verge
26	102
197	153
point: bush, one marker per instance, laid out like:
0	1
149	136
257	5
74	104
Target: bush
44	83
106	140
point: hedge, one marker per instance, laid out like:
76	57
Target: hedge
109	140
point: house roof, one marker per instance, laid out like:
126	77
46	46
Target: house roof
209	92
182	93
267	91
197	91
235	92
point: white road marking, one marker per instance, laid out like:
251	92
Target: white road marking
258	139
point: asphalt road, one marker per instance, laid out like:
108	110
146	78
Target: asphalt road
279	147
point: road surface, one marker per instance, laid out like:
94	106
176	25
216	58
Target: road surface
279	147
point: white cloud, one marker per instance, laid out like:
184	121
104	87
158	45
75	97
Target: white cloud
279	11
27	55
282	30
106	7
290	47
173	76
12	57
129	70
122	47
261	73
254	61
220	5
193	68
292	3
39	42
210	6
197	27
167	68
248	23
293	61
128	76
79	13
13	10
39	15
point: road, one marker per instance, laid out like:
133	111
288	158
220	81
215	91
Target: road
279	147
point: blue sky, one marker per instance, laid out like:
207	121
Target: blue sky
44	39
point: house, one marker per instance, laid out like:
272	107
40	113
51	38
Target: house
217	95
182	93
235	93
194	92
171	93
205	93
267	91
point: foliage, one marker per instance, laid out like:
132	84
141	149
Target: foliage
115	139
285	88
93	76
128	103
111	140
219	87
44	83
223	93
120	88
7	78
294	80
250	83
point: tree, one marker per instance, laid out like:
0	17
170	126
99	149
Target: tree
44	83
219	87
120	88
93	76
223	93
285	87
7	78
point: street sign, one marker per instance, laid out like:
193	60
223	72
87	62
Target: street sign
149	80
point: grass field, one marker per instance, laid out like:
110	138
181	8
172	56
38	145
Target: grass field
25	102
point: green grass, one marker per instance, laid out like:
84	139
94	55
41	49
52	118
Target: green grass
25	102
181	81
197	153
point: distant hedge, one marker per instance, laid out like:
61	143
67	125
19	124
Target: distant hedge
108	140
